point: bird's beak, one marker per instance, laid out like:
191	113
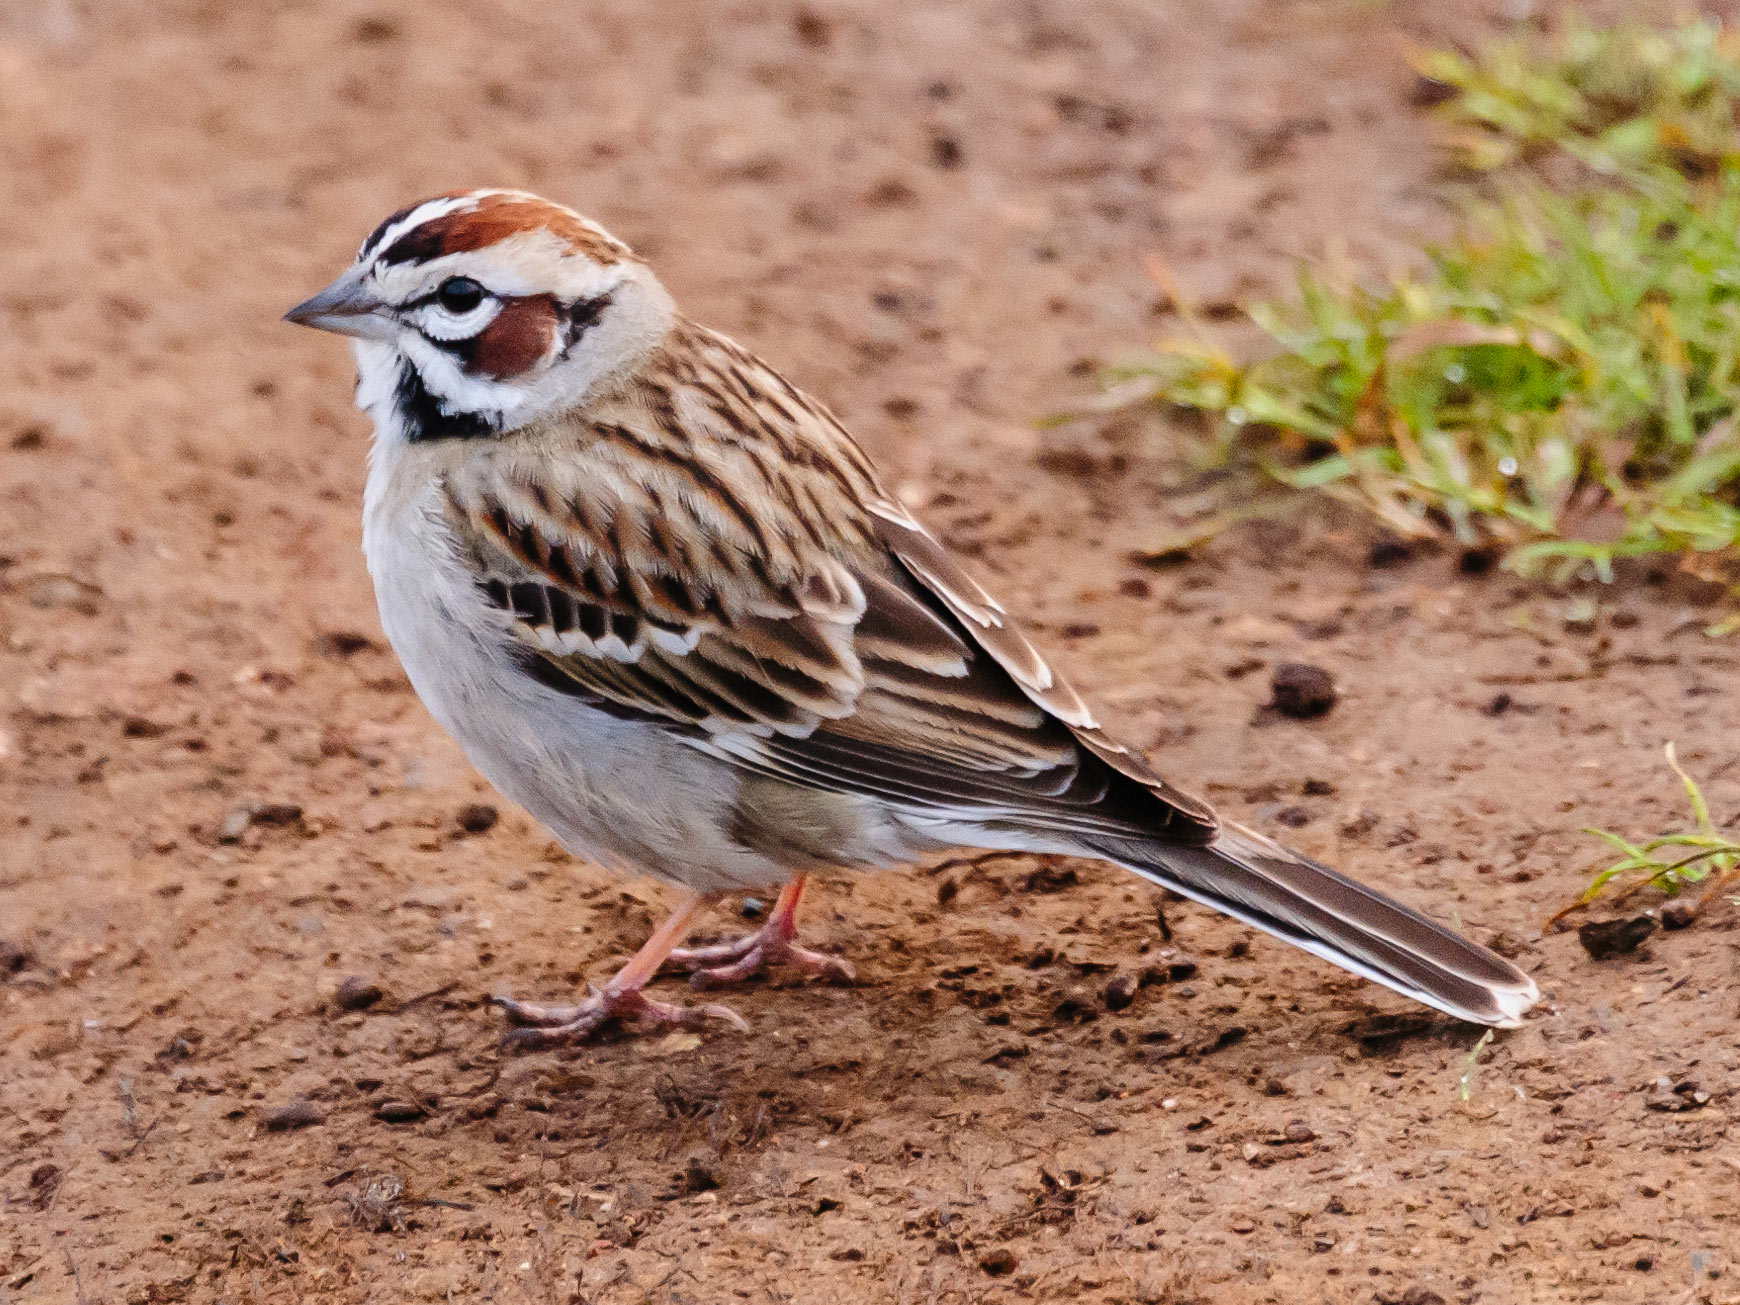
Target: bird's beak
348	307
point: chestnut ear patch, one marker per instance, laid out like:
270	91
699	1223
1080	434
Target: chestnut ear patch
523	332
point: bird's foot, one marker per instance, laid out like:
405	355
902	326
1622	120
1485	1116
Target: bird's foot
538	1028
732	962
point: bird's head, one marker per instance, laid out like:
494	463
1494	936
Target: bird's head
477	312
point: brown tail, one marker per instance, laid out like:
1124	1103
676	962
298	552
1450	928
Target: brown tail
1256	880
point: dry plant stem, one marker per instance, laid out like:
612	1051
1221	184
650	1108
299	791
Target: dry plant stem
1710	894
1632	889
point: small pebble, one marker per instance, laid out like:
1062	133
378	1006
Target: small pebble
478	818
753	908
292	1114
1120	992
1299	1131
399	1112
999	1261
277	813
700	1172
235	824
357	993
1302	691
1678	915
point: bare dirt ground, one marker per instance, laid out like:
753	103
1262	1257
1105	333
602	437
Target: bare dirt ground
933	215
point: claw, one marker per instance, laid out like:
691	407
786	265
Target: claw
542	1027
732	962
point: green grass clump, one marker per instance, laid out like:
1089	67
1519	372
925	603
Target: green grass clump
1671	862
1562	378
1619	100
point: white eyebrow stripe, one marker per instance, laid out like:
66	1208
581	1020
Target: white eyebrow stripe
425	212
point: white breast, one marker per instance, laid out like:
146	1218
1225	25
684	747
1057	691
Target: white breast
621	793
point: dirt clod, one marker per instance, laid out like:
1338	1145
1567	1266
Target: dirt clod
1604	939
478	817
1678	915
999	1261
300	1113
1120	992
357	993
1302	691
701	1172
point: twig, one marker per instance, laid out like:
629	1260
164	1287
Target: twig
140	1140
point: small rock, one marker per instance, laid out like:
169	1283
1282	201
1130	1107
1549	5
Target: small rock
235	824
300	1113
1675	1097
399	1112
357	993
1678	915
753	908
999	1261
1603	939
1302	691
1298	1131
1293	817
1317	788
279	814
947	891
1120	992
478	818
701	1172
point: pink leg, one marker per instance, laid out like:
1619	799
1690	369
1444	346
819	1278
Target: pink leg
549	1026
732	962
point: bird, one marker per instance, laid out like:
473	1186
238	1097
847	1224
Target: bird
663	601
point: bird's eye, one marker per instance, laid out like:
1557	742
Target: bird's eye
459	295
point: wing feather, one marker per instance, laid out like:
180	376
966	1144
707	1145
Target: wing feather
693	586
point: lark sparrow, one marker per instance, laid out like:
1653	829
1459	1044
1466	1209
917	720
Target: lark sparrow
662	600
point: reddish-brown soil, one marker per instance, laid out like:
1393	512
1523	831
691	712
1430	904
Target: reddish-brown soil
933	215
